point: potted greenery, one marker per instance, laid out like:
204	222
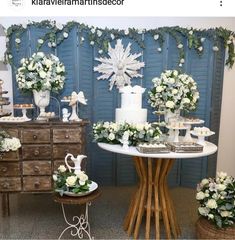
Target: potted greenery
216	197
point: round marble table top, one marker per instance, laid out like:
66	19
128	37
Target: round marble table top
208	149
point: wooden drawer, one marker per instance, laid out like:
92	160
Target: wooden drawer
37	168
13	132
10	184
9	156
36	152
9	169
35	136
37	183
67	135
61	150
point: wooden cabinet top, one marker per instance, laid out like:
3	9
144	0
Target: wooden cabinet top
39	124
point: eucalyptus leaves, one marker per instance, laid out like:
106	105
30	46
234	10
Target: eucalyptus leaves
110	132
57	33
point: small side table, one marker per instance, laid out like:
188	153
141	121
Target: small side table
80	224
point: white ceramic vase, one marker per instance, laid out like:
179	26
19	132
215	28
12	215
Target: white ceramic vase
41	99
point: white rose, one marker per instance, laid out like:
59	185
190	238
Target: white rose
61	168
200	195
99	33
126	31
175	73
200	49
40	41
204	182
92	42
106	124
186	100
202	39
54	176
156	37
220	187
82	176
159	89
170	104
71	181
225	214
215	48
17	40
182	60
48	63
222	174
40	54
59	26
203	211
171	80
210	216
100	51
42	74
180	46
111	136
211	204
59	69
82	182
159	49
139	127
65	34
174	91
112	36
82	39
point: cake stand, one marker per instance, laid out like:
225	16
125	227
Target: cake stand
73	116
188	124
201	137
174	133
24	112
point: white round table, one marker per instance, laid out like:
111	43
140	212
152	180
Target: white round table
152	192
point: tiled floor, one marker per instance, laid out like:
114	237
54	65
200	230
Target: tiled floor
38	217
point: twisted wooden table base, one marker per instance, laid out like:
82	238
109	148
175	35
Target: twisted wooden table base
152	194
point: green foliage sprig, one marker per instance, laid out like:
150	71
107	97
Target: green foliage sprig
57	33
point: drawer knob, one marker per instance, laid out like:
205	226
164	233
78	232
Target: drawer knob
5	185
36	152
36	184
36	169
4	169
67	136
35	137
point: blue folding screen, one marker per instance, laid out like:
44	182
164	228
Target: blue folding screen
79	59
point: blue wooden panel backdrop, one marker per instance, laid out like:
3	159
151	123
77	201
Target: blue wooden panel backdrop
79	59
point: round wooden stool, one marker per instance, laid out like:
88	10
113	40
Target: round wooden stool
80	223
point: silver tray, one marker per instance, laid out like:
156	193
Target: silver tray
185	147
152	150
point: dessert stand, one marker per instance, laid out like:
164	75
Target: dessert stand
201	137
24	111
188	124
174	133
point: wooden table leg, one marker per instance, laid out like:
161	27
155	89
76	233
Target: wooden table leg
131	216
156	198
143	193
149	199
5	205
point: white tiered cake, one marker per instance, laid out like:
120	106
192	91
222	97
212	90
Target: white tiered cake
131	110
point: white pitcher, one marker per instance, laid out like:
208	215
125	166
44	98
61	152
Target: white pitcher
77	162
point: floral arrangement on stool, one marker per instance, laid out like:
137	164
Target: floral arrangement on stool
173	91
41	74
216	197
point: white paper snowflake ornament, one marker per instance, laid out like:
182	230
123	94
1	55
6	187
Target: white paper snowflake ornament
120	67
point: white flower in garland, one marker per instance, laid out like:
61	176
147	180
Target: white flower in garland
159	49
174	91
41	72
200	49
112	36
215	48
180	46
155	37
126	31
40	41
120	67
65	34
99	33
92	43
17	40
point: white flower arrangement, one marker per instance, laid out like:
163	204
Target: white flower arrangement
216	197
111	132
173	91
41	72
7	143
66	181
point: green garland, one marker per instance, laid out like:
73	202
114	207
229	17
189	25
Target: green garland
101	38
